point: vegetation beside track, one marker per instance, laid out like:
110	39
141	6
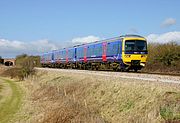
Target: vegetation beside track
11	102
163	58
73	97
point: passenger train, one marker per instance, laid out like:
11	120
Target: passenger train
123	53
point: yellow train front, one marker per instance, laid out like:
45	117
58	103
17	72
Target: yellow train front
134	52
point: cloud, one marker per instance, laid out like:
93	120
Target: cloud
4	43
168	22
12	48
164	38
42	46
88	39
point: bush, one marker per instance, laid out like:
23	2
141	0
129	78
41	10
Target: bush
23	60
24	67
1	60
163	57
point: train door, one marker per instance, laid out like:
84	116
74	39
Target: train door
66	55
104	45
52	58
74	55
85	54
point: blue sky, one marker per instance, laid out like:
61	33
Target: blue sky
61	21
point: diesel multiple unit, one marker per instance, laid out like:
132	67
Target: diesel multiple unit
123	53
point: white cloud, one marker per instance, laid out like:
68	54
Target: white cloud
12	48
164	38
43	45
4	43
168	22
87	39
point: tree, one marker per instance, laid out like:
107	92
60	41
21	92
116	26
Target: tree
1	60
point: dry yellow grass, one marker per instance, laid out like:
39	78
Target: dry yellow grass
61	97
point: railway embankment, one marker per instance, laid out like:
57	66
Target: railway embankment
57	95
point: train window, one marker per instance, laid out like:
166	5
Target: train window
80	52
95	50
89	51
69	53
64	54
141	45
135	45
112	48
99	50
130	45
109	49
92	51
115	48
73	55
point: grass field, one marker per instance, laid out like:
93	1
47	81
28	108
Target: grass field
11	101
70	97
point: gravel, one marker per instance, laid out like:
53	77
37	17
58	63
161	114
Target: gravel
126	75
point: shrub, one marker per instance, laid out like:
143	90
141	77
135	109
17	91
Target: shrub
1	60
163	57
24	67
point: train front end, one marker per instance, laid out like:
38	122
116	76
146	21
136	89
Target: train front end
134	52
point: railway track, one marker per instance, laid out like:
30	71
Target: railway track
153	77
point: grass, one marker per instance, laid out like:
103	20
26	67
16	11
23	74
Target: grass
72	97
170	108
1	87
127	105
12	102
0	91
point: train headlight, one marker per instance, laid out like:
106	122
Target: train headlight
142	64
127	56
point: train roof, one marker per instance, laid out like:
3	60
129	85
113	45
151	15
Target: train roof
130	35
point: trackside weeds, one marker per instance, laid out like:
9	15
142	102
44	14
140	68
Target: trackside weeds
58	96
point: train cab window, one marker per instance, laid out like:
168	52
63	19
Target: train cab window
135	45
141	45
129	45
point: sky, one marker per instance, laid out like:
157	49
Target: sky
36	26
